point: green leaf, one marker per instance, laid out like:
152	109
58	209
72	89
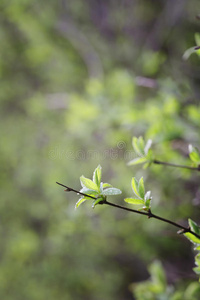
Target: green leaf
192	238
106	185
88	183
147	196
134	201
141	189
147	146
188	52
138	160
149	155
89	192
97	176
194	227
138	146
197	38
135	184
111	191
80	201
97	202
194	154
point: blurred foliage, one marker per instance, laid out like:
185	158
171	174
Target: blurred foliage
78	80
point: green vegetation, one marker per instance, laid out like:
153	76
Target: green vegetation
78	80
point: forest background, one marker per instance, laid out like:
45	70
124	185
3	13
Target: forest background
79	79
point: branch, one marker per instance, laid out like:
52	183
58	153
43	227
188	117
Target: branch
149	214
158	162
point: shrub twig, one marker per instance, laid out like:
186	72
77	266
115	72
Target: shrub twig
149	213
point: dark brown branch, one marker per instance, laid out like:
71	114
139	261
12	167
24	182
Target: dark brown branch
68	189
158	162
149	214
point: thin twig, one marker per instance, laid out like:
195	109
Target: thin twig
149	214
158	162
68	189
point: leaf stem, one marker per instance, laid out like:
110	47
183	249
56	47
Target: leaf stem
158	162
149	214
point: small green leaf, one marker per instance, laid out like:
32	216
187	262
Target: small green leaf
138	146
194	227
149	155
147	196
111	191
134	201
89	192
135	184
88	183
147	146
192	238
136	161
197	38
80	201
194	154
106	185
97	176
97	202
141	189
188	52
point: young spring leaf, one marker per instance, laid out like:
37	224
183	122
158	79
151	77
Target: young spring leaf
138	146
111	191
89	192
147	147
194	154
97	176
192	238
134	201
98	201
135	185
141	189
80	201
88	183
147	199
106	185
136	161
194	227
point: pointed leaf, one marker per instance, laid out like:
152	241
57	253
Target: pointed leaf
135	184
97	176
147	196
134	201
88	183
194	227
194	154
138	146
97	202
141	189
141	145
89	192
79	202
188	52
111	191
138	160
106	185
147	146
192	238
197	38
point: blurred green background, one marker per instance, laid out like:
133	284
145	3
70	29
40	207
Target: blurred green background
78	80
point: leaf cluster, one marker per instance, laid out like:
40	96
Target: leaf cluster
96	189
